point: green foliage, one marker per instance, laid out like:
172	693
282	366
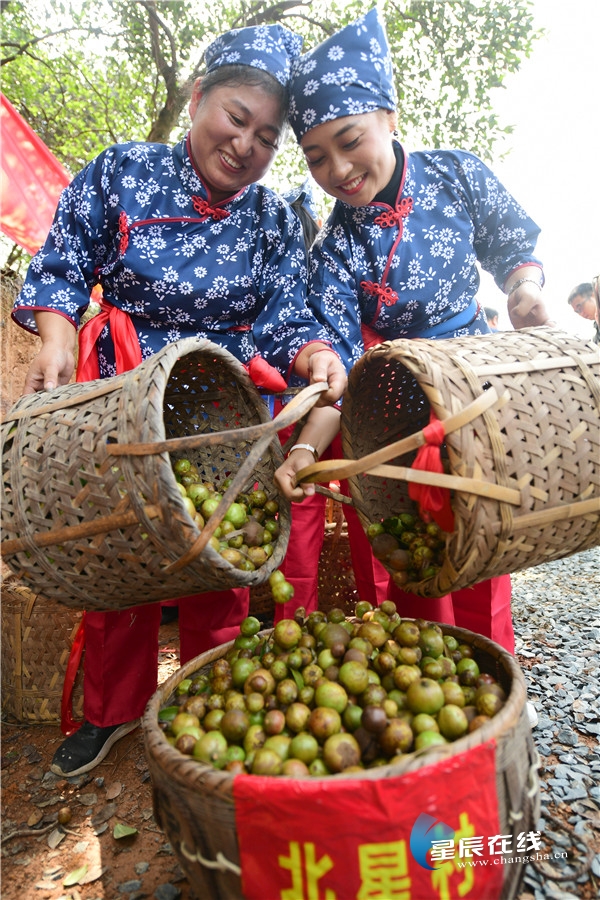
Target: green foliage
85	75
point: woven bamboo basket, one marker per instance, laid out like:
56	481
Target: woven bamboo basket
92	514
37	635
337	585
521	453
194	804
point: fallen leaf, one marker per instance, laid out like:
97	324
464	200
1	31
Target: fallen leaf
50	801
34	819
103	814
87	799
94	874
75	876
54	838
121	831
113	790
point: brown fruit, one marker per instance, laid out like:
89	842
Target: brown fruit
374	719
383	545
341	751
397	737
323	722
64	815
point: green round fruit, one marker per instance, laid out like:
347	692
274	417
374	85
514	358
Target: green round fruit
424	696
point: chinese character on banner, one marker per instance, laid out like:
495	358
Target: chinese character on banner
370	838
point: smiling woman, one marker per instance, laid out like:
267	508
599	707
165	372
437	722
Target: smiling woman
237	128
184	242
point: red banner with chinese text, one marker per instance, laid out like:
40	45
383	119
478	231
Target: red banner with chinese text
422	836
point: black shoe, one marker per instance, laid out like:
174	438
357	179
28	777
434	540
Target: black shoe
86	748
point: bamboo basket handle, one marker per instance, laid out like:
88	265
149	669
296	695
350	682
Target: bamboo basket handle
75	532
452	482
336	469
294	410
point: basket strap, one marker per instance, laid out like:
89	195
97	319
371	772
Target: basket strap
294	410
452	482
337	469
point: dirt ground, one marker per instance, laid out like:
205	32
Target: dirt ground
40	857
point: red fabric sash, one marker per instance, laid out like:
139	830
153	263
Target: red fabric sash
432	500
370	337
128	354
68	725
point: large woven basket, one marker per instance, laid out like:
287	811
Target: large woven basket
194	803
92	514
521	412
37	635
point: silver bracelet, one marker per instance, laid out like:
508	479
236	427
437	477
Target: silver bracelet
521	281
305	447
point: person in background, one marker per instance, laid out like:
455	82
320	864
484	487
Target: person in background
491	316
582	301
185	243
397	256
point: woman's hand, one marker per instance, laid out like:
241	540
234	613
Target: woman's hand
525	306
317	362
526	309
55	363
320	428
285	476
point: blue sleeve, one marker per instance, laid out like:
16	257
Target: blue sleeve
505	236
285	323
333	293
62	274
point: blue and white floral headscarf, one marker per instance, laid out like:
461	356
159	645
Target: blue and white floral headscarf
268	47
349	74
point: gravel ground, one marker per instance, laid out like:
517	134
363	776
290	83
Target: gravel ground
556	610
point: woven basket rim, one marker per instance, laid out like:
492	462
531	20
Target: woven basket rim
184	769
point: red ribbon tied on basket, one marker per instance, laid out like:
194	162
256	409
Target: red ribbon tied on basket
264	375
432	499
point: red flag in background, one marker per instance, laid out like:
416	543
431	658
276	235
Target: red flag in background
31	179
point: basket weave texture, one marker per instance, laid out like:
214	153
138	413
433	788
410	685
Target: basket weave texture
533	456
130	534
194	804
37	635
336	584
